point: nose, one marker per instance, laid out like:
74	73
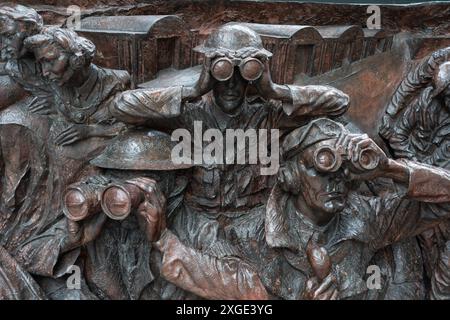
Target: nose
45	71
232	81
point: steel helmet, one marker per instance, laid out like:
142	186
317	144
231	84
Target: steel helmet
232	37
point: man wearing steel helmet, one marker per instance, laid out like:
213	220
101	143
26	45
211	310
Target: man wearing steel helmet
220	196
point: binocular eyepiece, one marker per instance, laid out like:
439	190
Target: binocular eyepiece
81	201
251	69
117	200
329	159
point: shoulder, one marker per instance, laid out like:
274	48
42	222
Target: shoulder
114	76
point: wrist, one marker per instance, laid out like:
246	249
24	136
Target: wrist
282	92
163	241
188	93
397	171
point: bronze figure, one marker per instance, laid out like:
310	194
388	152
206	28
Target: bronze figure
223	152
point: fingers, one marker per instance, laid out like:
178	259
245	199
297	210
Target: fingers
148	211
98	179
144	183
69	142
71	134
325	285
33	102
328	295
363	143
347	141
335	295
311	284
153	194
207	61
73	234
92	227
65	135
39	106
261	56
73	227
151	220
69	139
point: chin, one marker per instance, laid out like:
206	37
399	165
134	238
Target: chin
334	206
229	107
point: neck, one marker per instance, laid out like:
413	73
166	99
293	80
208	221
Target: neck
222	115
317	216
79	77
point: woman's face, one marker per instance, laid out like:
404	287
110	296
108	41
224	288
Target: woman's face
11	39
55	63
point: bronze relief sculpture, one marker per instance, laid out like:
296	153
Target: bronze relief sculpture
213	181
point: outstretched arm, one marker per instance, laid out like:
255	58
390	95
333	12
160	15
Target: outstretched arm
207	276
193	270
393	216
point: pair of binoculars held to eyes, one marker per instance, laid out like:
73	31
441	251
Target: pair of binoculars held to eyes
116	200
330	159
251	69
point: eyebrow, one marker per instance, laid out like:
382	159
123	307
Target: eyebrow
51	54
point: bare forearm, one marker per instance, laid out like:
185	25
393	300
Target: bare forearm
397	171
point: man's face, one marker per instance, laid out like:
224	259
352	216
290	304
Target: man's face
55	63
325	192
11	39
229	95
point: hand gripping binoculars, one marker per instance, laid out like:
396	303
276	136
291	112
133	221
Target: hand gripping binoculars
251	69
117	200
329	159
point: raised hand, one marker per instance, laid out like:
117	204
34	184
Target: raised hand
151	212
365	156
206	81
83	232
324	290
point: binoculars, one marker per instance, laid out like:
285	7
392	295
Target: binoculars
223	68
329	159
81	201
117	200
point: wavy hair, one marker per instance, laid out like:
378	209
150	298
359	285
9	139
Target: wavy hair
80	49
28	16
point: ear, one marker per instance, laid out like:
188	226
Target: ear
288	178
283	177
76	61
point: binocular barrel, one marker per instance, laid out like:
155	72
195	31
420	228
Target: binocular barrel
329	159
368	159
81	201
118	200
250	68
